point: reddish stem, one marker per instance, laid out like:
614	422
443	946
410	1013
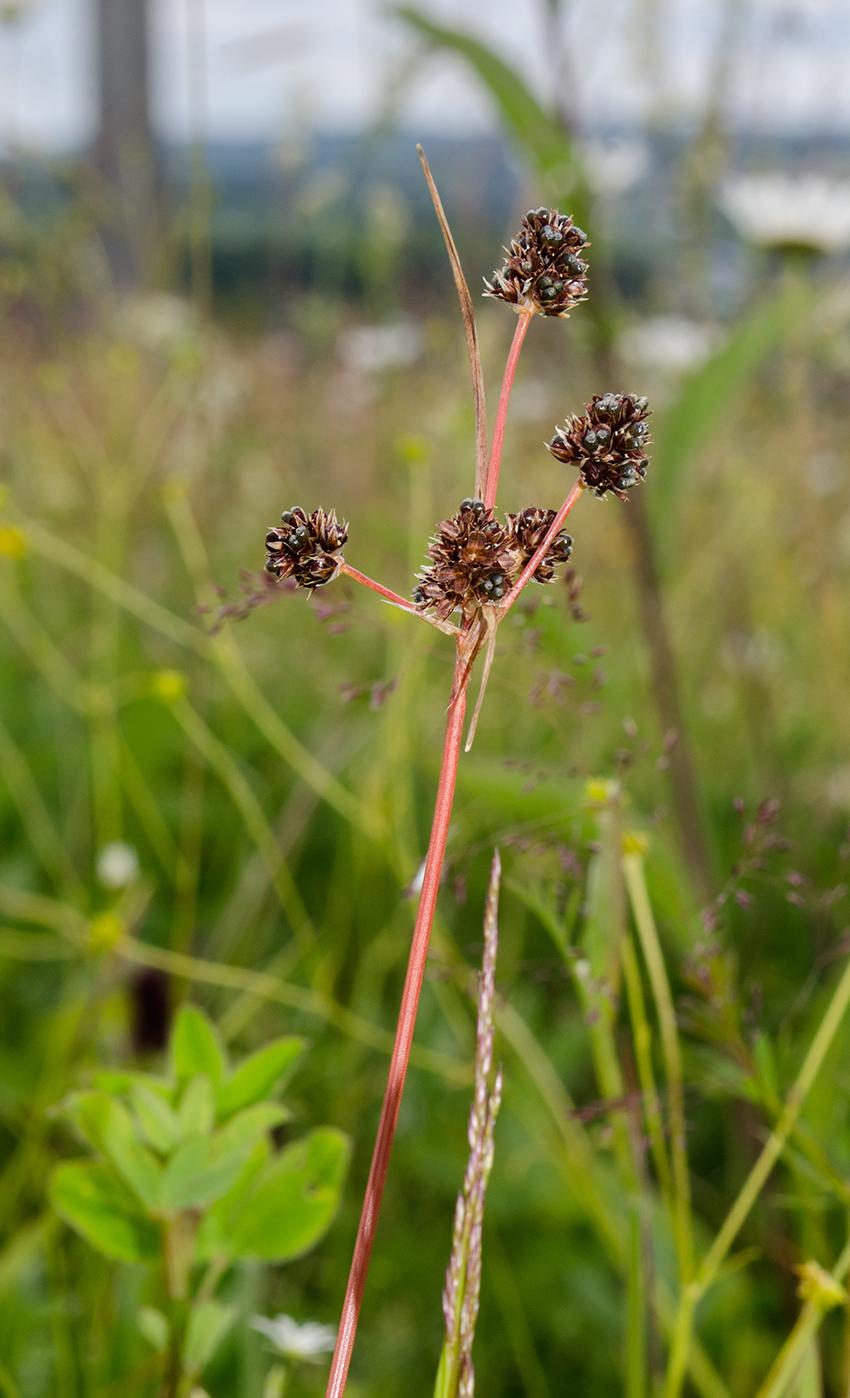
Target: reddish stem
384	592
534	562
492	486
392	597
404	1034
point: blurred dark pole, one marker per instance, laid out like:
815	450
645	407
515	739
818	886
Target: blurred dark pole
123	151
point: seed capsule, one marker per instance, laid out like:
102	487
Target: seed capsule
608	444
547	243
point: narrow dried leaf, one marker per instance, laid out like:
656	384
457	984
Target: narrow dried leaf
481	447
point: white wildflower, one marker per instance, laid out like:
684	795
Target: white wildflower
117	865
775	211
296	1341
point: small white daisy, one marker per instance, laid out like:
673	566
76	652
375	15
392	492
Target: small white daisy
296	1341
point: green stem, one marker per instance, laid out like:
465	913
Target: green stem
755	1181
642	1039
789	1358
636	1355
774	1146
648	934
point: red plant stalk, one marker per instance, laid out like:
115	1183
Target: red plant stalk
396	601
534	562
404	1031
523	322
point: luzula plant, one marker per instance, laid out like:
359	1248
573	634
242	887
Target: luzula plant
478	568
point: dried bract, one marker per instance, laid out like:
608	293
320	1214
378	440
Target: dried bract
608	443
544	270
307	548
471	563
526	532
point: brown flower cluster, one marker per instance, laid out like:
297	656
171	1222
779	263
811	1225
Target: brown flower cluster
526	532
474	559
306	548
544	270
608	443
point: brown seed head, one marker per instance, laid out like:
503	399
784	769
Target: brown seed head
544	270
307	548
608	443
474	559
526	532
471	563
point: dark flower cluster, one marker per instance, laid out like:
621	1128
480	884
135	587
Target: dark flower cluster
474	559
306	548
526	532
544	270
470	563
608	443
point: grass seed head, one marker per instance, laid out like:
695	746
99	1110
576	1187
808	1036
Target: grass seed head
544	268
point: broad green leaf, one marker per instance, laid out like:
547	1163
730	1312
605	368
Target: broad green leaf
201	1171
251	1124
158	1121
116	1084
154	1326
258	1076
208	1324
290	1203
213	1238
197	1108
196	1046
714	390
109	1128
99	1207
535	128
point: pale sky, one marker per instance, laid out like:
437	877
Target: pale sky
271	66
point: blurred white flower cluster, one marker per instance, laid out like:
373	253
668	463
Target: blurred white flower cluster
671	344
789	211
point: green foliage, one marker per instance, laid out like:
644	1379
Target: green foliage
185	1176
90	1197
713	392
537	131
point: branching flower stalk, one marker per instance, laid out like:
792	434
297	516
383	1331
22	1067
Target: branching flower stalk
477	570
456	1375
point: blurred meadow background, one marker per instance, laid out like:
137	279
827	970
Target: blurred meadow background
223	292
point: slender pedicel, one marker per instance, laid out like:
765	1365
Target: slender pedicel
492	486
393	598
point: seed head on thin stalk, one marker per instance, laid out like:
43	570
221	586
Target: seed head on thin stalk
306	548
607	443
456	1376
544	270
